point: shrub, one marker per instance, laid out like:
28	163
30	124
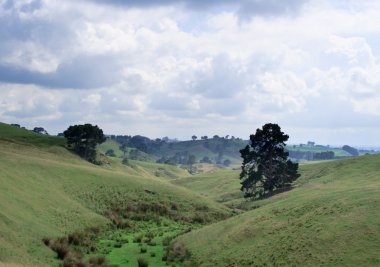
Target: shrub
153	254
142	262
61	249
177	252
167	240
73	261
117	245
149	235
97	260
174	206
125	161
152	243
143	250
75	238
46	241
137	239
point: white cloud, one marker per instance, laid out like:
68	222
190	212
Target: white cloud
176	66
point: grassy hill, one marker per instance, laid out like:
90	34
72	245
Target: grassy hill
47	191
331	218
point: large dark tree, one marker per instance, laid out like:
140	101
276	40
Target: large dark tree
266	166
83	140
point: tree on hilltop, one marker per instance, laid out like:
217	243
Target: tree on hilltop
83	140
266	166
353	151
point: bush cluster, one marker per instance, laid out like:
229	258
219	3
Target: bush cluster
72	257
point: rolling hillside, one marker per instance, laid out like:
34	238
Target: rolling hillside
47	191
331	218
220	185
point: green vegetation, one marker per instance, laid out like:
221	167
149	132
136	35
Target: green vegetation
48	192
220	185
83	139
331	218
217	149
54	204
266	166
305	152
223	151
14	134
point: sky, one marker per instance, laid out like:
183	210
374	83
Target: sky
178	68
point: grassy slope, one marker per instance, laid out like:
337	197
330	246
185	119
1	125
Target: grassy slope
47	191
112	144
316	149
332	218
221	185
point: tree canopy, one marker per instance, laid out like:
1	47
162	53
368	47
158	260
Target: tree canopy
266	166
83	140
353	151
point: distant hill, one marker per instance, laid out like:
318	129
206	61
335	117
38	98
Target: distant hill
217	150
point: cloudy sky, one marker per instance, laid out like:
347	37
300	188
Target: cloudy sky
179	67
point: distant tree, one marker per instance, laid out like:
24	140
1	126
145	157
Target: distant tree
353	151
125	161
215	137
266	166
227	162
205	137
220	157
110	153
205	159
206	144
40	130
324	155
140	142
83	140
194	137
191	160
123	147
133	154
